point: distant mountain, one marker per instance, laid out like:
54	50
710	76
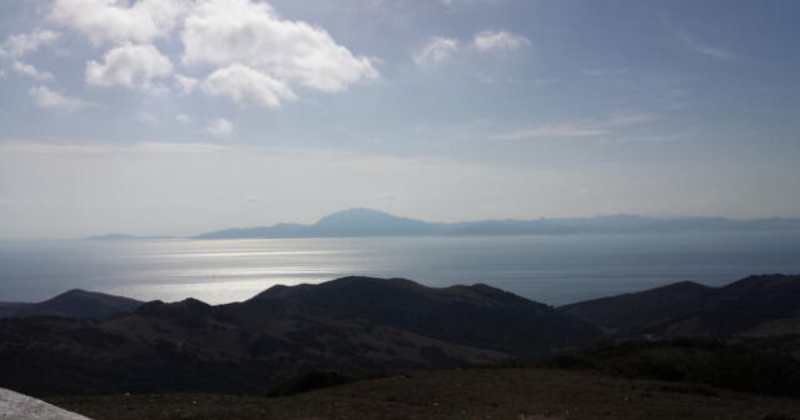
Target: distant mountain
349	223
371	223
756	305
73	304
355	323
366	222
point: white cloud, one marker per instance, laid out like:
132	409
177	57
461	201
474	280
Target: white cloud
146	118
224	32
630	119
114	21
612	125
31	71
48	99
440	49
21	44
451	4
130	66
707	50
245	85
183	119
553	130
436	51
499	41
186	85
220	127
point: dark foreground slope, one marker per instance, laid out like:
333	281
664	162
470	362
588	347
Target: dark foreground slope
754	306
357	324
520	394
478	315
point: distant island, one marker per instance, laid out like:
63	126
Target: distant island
361	222
365	223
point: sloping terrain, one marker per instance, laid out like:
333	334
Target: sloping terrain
359	324
518	394
756	305
476	315
73	304
7	309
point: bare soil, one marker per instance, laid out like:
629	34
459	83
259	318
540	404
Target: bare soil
519	394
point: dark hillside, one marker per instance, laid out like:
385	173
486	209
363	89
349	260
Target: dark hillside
756	305
75	304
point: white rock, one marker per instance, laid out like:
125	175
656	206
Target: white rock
14	406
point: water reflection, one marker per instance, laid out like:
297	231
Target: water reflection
554	269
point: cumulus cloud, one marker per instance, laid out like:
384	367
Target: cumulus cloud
186	85
499	41
114	21
183	119
227	38
440	49
21	44
220	127
245	85
48	99
224	32
437	50
31	71
131	66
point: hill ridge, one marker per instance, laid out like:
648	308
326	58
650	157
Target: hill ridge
365	222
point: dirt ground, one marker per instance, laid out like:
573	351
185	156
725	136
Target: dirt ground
518	394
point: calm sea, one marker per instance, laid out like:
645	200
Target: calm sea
549	269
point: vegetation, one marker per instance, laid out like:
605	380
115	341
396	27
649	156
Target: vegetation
731	366
513	394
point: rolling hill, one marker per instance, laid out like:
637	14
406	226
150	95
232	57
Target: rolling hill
756	305
73	304
358	324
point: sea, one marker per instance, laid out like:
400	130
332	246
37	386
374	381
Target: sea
555	270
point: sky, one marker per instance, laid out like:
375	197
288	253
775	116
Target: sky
177	117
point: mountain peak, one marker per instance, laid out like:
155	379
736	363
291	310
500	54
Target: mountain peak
76	292
368	222
356	213
686	286
78	303
767	283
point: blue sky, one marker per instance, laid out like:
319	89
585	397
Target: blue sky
177	117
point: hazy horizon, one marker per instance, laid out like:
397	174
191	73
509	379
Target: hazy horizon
177	117
317	219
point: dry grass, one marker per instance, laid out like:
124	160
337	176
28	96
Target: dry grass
519	394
